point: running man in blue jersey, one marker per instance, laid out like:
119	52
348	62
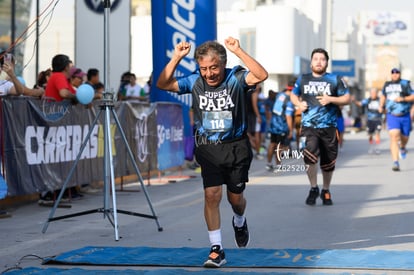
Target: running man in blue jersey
374	119
397	97
222	147
320	94
280	128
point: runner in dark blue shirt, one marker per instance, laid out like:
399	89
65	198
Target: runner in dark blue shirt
374	119
222	147
280	129
320	95
397	97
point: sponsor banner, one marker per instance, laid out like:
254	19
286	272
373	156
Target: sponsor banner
170	135
343	67
140	120
41	141
386	27
173	21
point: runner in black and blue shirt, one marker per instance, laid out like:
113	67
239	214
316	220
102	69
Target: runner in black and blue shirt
320	95
374	119
222	147
397	98
280	128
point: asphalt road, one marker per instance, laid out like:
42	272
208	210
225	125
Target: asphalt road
373	210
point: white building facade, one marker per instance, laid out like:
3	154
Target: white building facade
279	35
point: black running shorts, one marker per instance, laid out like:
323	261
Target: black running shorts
374	126
280	139
225	163
321	143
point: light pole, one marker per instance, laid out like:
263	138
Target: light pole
13	25
37	40
328	33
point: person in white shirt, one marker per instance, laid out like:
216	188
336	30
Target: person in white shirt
9	83
134	90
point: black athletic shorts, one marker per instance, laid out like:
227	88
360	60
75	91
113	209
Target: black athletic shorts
225	163
321	143
280	139
374	126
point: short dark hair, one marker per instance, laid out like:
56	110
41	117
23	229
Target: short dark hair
211	47
59	62
322	51
92	72
99	85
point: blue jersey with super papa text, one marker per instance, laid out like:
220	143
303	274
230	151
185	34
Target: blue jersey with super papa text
393	90
219	112
308	87
372	106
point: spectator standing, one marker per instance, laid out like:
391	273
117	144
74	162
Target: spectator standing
58	89
134	90
9	83
125	80
93	79
99	90
147	89
77	77
43	78
58	86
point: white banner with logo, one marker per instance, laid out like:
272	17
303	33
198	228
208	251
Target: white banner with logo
89	38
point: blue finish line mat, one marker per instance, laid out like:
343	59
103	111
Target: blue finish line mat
77	271
243	258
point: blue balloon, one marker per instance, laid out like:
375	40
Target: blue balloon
85	94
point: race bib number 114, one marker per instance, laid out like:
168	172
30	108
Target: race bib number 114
217	121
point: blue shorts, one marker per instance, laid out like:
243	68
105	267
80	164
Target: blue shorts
402	123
